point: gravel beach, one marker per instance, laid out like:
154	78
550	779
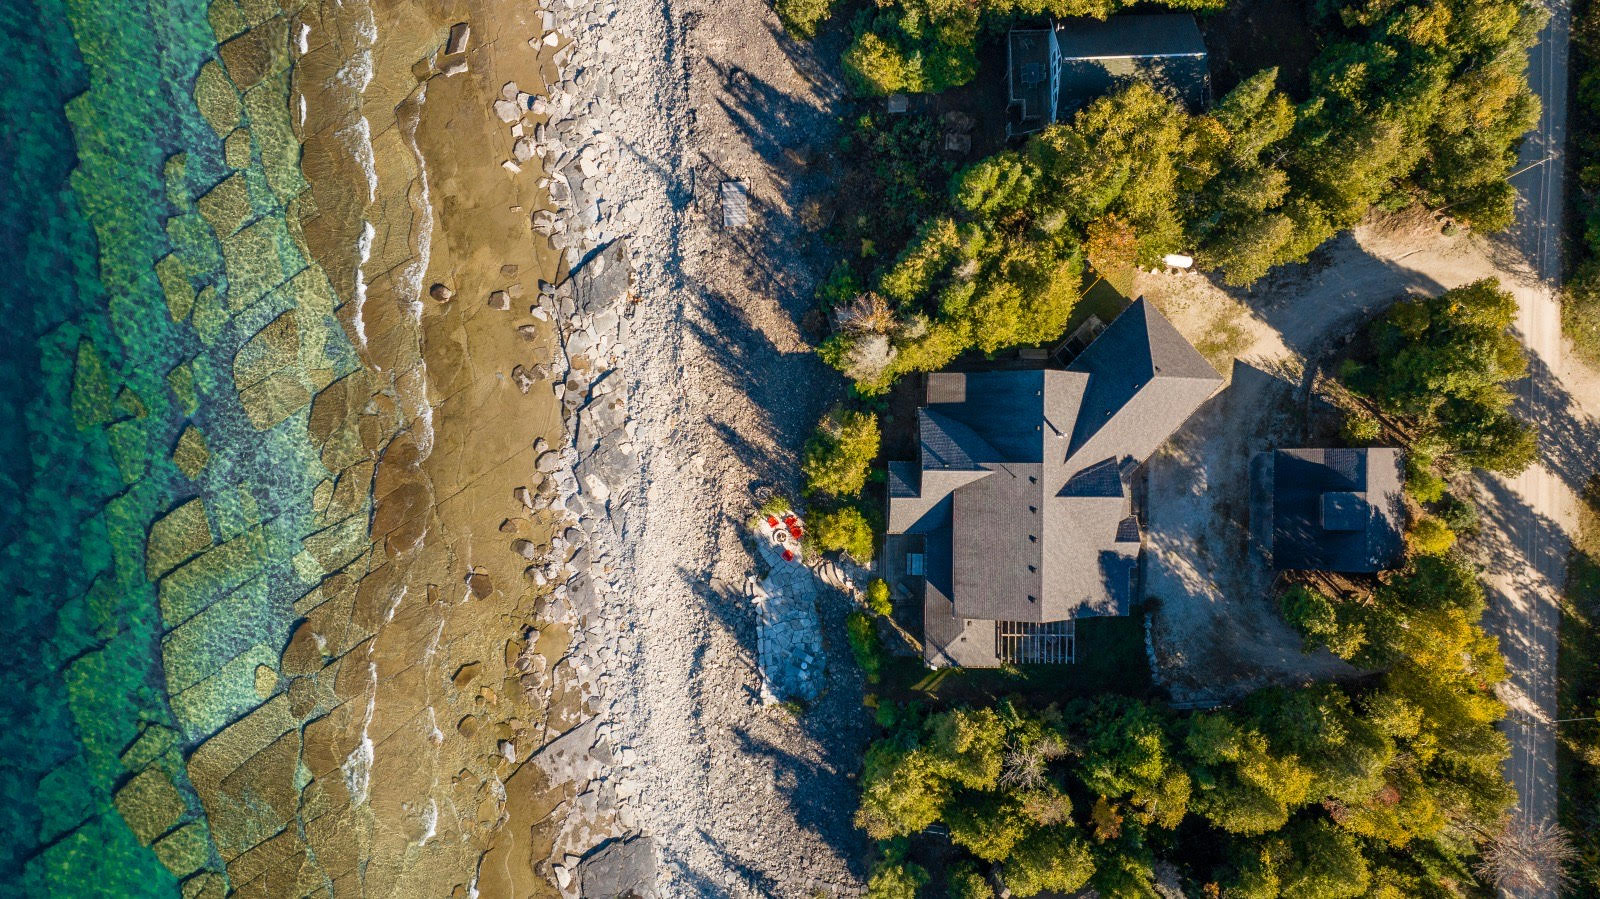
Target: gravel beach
726	795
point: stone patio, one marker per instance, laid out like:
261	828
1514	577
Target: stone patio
789	632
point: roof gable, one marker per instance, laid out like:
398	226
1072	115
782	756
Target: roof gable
1034	497
1145	380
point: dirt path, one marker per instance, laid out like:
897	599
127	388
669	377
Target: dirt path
1536	512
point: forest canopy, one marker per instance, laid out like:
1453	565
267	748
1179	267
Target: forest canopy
1408	102
1385	787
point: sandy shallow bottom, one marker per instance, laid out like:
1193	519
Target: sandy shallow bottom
419	677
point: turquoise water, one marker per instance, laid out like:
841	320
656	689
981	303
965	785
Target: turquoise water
126	302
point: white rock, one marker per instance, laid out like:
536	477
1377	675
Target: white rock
511	167
507	110
563	876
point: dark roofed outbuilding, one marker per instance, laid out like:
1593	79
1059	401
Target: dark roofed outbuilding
1163	48
1054	71
1334	509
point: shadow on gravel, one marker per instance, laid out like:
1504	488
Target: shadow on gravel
1358	287
803	57
1529	550
813	755
1568	436
762	112
787	389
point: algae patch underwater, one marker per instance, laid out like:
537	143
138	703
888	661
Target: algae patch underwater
167	333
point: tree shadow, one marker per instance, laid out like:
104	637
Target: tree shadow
1360	286
1568	436
1525	553
811	757
787	388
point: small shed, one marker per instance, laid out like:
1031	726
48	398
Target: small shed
1163	48
1054	71
1033	63
1333	509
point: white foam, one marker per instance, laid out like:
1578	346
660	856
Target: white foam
364	247
408	285
357	138
430	822
357	765
356	72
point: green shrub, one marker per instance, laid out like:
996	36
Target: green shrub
1424	485
839	455
1458	514
1361	426
1054	858
1431	537
1580	310
967	883
875	67
842	530
862	632
1314	615
896	881
841	285
878	597
801	17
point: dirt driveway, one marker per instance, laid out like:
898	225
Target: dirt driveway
1217	633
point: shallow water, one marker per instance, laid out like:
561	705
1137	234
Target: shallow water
166	335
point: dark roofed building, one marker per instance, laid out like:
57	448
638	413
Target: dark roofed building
1163	48
1055	71
1034	70
1020	500
1333	509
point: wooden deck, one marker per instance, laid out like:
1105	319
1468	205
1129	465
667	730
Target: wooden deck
1032	643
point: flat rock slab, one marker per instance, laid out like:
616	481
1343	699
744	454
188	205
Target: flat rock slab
619	870
602	283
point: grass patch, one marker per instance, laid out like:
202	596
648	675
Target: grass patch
1224	339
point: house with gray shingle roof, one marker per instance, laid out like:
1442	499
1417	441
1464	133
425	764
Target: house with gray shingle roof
1331	509
1018	512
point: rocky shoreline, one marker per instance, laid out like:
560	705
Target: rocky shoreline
688	780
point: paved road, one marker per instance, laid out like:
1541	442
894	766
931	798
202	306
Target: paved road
1530	511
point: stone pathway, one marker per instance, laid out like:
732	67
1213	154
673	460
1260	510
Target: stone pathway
789	632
